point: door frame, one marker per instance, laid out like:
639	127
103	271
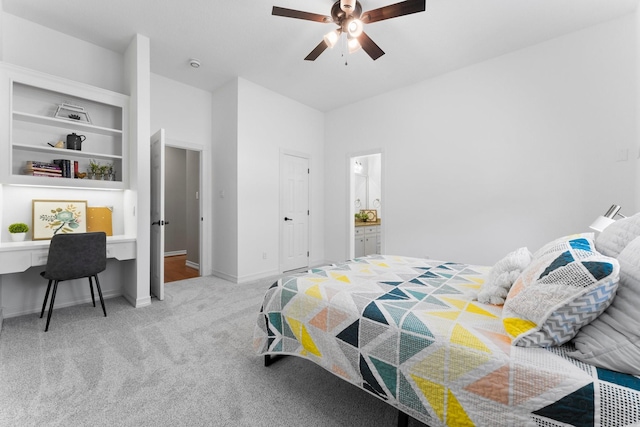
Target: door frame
204	203
286	152
351	210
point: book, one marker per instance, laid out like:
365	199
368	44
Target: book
30	164
65	166
42	169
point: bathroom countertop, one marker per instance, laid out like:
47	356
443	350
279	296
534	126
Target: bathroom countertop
365	223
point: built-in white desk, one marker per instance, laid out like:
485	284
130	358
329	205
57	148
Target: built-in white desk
19	256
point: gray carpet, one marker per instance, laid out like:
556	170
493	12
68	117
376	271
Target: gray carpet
184	361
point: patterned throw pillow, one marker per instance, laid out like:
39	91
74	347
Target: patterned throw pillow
582	240
558	293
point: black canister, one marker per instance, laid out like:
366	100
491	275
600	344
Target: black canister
74	142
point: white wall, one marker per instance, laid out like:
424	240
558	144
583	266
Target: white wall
269	123
175	197
510	152
224	118
39	48
183	111
252	126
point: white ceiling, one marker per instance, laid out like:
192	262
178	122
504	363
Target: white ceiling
241	38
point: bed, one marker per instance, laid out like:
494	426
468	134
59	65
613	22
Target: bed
412	333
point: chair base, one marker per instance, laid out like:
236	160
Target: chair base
53	297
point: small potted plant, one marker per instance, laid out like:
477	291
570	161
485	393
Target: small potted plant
105	171
361	216
94	170
18	231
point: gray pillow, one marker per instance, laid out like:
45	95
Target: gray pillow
612	340
613	239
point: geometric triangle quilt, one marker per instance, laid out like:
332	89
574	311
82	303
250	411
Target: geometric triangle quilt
411	332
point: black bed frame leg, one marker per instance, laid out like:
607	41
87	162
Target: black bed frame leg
270	359
403	419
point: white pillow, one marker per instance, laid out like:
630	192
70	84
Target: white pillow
503	274
618	235
612	340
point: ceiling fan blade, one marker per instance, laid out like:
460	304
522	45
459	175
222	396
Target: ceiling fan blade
298	14
369	46
316	52
394	10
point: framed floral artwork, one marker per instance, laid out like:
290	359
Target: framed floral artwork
51	217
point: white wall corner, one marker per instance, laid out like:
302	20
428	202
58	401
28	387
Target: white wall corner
138	69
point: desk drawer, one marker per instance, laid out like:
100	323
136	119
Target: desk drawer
39	258
121	250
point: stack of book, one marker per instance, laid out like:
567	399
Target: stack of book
65	166
43	169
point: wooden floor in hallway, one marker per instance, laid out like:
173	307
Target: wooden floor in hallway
175	268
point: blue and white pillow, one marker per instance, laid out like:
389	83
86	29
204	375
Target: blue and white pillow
566	287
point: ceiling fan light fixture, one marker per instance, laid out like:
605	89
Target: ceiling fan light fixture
347	6
355	28
353	44
331	38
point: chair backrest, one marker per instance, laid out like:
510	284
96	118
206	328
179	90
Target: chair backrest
72	256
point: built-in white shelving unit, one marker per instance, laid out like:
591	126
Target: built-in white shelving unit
33	129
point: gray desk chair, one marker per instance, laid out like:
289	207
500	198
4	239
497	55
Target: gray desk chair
75	256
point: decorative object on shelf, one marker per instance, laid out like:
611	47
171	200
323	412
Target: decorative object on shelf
72	112
372	214
106	171
51	217
358	204
361	216
74	142
94	170
18	231
59	144
36	168
376	203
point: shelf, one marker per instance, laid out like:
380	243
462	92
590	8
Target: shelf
63	152
72	125
41	181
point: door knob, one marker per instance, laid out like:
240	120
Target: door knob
288	219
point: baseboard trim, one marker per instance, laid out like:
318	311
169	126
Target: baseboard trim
139	302
225	276
175	253
192	264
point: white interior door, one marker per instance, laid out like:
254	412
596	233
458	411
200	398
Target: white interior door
157	214
294	191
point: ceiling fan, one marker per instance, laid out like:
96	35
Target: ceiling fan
348	15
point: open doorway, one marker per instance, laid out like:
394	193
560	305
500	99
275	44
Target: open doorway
182	214
366	173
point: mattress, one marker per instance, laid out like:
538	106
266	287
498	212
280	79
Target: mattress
410	332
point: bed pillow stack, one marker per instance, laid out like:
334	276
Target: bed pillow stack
612	340
503	274
567	285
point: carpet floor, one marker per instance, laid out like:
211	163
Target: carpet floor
184	361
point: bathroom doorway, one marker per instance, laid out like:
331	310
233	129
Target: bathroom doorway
366	172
